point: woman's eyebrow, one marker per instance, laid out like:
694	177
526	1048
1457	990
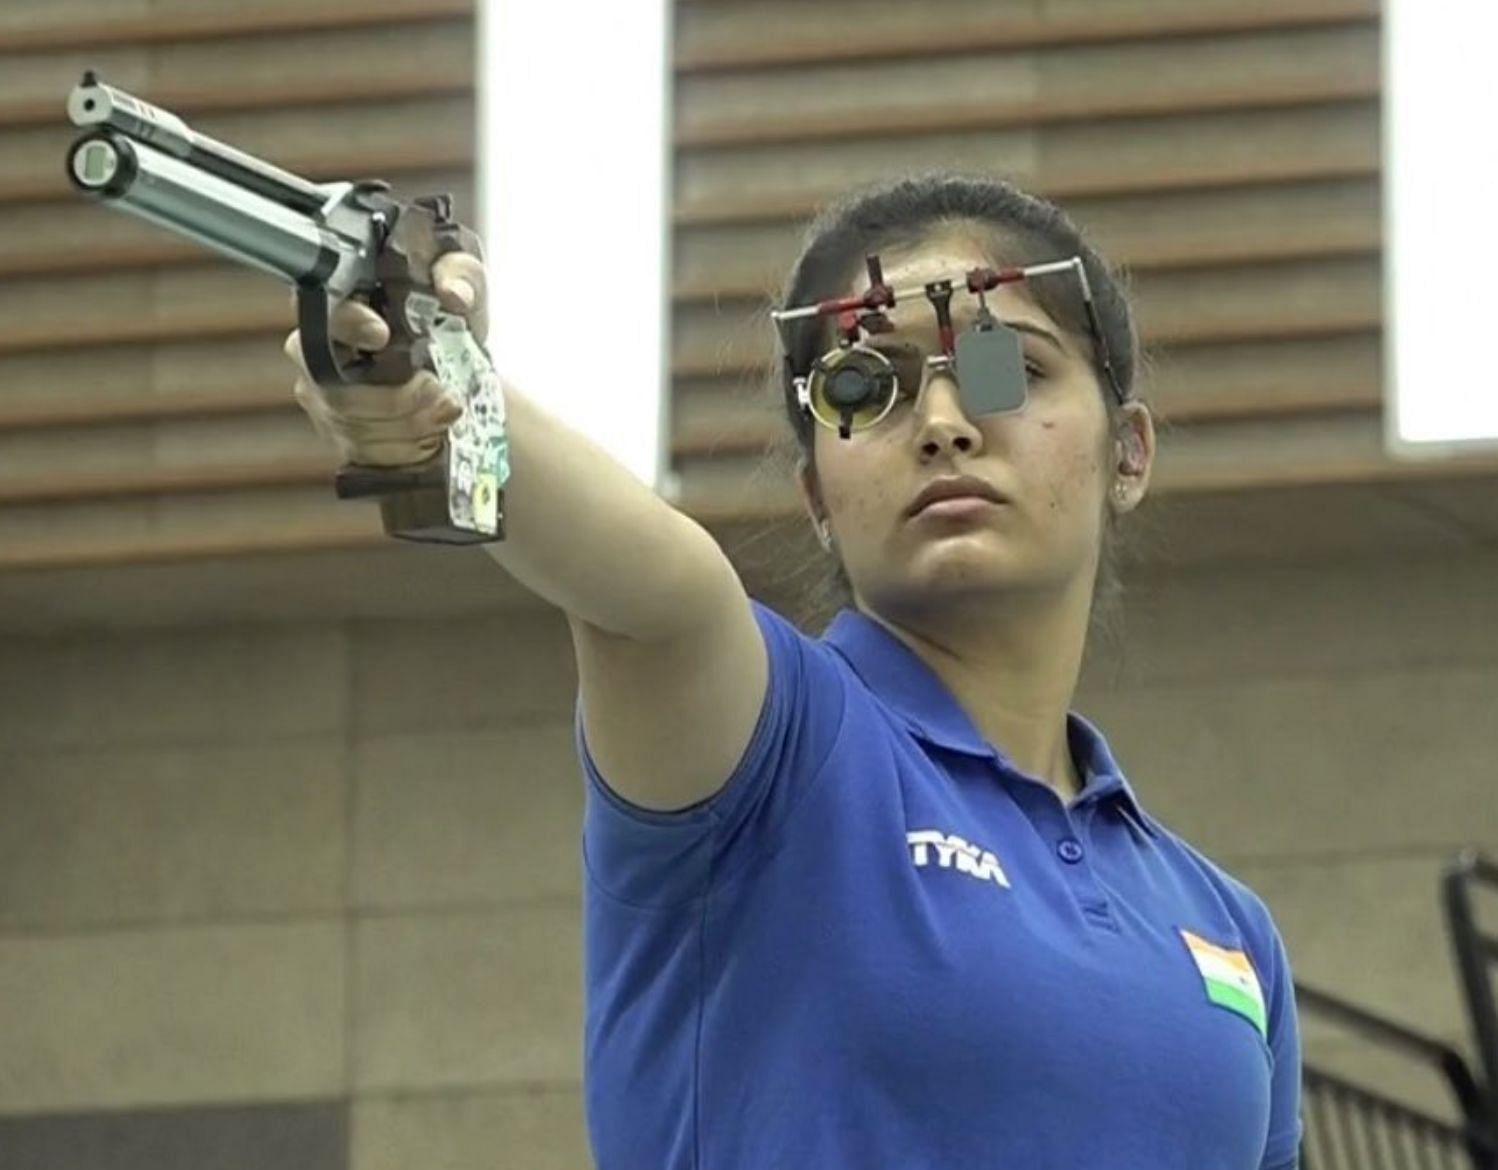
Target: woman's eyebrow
1037	331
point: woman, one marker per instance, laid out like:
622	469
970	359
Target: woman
880	898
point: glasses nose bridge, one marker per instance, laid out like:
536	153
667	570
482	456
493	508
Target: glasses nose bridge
938	367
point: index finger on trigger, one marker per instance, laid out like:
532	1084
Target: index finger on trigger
358	326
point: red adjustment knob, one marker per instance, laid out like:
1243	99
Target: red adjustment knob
847	325
981	279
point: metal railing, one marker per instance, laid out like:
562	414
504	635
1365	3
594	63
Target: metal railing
1475	950
1476	953
1354	1127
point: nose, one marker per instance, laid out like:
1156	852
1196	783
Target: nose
940	422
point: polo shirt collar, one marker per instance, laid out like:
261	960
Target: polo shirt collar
918	697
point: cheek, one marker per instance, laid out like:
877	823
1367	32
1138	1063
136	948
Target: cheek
1065	463
853	486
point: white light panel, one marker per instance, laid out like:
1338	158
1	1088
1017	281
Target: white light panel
1441	249
572	188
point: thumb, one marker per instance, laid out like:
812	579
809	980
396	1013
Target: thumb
457	295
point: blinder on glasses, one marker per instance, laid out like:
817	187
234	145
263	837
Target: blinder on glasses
855	385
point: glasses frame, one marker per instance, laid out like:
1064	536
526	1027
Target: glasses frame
866	313
825	366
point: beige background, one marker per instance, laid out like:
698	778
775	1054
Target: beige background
289	816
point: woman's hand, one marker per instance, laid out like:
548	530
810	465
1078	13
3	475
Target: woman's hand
390	426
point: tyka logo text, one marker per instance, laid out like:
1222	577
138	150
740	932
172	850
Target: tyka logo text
952	852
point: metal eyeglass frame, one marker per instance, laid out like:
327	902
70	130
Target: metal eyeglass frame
865	313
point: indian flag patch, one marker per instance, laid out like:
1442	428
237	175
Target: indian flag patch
1229	979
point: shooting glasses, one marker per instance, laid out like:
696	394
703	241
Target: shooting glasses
855	385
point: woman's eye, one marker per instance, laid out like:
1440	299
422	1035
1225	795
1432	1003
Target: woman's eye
1034	372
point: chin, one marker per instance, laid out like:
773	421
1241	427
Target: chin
955	578
967	568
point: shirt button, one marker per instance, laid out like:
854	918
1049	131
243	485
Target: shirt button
1070	850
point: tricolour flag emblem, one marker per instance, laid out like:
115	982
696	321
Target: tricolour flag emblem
1229	979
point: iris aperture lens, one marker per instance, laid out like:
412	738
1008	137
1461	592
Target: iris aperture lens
853	386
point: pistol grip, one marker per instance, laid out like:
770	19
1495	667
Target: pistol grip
413	500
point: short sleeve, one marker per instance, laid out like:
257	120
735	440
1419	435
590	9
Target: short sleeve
655	859
1282	1150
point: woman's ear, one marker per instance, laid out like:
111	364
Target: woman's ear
1134	453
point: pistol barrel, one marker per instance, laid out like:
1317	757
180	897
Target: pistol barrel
238	223
92	103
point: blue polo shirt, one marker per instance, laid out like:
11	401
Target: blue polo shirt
880	946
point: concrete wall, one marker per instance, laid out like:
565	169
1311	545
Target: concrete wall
310	893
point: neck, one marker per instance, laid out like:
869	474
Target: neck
1012	663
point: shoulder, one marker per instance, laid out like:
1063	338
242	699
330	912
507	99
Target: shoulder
808	665
1243	904
782	633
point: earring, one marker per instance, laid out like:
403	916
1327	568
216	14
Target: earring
824	535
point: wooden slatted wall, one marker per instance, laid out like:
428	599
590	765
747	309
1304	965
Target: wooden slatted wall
1225	151
145	407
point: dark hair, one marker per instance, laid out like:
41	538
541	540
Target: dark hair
1019	228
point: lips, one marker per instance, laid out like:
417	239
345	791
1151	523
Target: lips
951	488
